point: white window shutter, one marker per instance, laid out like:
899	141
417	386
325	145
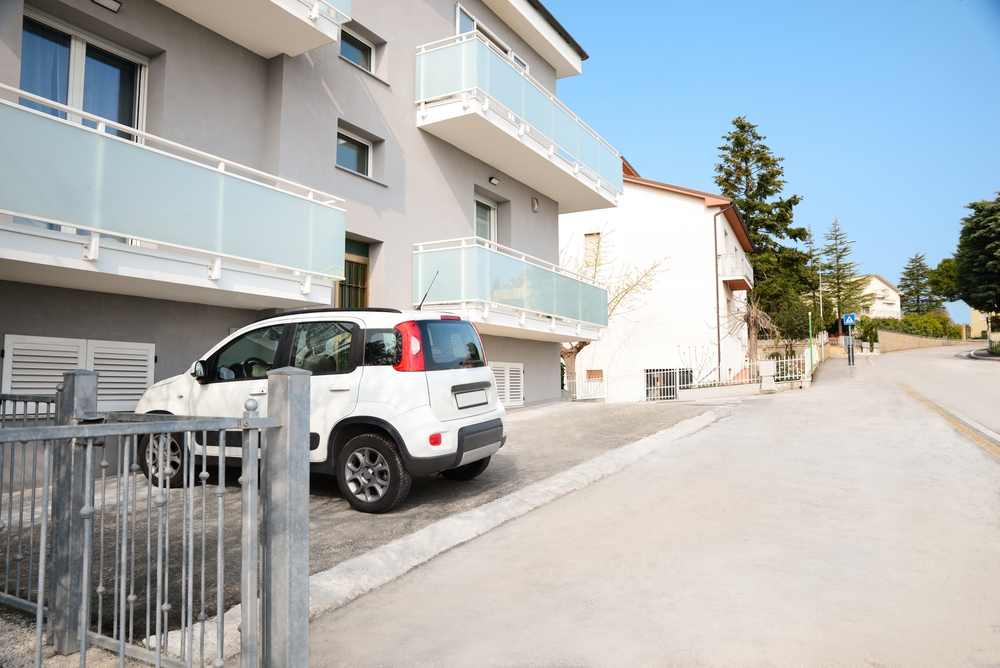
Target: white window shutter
35	364
126	370
509	382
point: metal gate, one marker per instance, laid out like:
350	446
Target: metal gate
90	541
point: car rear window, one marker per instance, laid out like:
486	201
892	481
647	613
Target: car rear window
451	344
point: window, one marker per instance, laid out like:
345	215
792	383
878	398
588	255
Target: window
450	344
595	374
486	219
465	22
383	347
356	50
323	347
80	71
249	356
354	154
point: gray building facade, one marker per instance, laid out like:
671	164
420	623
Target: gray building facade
434	124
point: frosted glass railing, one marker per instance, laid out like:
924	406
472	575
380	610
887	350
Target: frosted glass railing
466	63
476	273
61	172
338	11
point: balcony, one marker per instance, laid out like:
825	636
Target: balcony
77	197
736	271
269	27
507	293
476	98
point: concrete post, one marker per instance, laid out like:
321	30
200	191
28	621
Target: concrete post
76	396
284	528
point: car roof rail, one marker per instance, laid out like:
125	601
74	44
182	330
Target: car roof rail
331	309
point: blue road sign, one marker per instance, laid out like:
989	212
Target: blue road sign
849	319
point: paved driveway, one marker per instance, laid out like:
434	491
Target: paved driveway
846	525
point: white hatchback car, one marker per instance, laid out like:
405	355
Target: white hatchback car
393	394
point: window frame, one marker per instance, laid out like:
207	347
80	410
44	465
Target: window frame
355	138
371	50
477	26
494	215
357	259
79	39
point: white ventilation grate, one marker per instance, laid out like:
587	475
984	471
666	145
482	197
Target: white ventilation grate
510	382
126	370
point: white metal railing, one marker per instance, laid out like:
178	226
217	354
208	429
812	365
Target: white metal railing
733	264
329	10
463	242
525	127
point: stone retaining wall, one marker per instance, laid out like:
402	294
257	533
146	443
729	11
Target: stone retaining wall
893	341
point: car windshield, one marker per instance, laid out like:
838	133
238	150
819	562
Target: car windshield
451	344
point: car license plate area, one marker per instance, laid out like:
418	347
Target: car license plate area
471	399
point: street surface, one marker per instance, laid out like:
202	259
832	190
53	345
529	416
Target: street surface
844	525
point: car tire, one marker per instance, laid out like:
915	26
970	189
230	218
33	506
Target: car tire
173	451
469	471
371	474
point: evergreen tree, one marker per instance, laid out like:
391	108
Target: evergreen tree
840	275
977	262
915	285
944	280
751	175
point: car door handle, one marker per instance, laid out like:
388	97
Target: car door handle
262	390
340	388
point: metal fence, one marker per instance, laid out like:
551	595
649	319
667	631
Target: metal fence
665	384
99	536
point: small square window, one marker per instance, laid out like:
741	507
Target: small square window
354	154
356	50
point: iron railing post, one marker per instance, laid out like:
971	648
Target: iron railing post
284	529
76	396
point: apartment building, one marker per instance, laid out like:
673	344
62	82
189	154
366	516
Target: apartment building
172	170
687	328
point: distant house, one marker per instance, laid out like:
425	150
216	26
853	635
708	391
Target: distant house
978	323
689	327
886	303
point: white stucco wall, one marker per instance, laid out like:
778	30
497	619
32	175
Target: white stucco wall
678	324
887	303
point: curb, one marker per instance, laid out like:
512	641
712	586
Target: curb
335	587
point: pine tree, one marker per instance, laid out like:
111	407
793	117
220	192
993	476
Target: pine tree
752	176
977	262
915	286
840	275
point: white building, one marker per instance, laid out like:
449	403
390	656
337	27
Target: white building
886	302
691	320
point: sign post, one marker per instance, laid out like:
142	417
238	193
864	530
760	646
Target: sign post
812	367
849	321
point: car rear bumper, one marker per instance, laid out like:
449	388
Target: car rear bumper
475	441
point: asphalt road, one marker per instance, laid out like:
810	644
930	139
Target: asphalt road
845	525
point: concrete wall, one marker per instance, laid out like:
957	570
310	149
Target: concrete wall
677	325
892	341
181	332
541	364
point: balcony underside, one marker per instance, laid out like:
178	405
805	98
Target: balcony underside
737	282
266	27
47	257
483	133
517	324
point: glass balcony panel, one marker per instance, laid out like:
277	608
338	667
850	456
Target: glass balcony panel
470	64
55	170
475	273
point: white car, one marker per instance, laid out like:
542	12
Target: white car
393	394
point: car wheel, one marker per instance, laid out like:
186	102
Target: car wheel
467	472
172	466
371	474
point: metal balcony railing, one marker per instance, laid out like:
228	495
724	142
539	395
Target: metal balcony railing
735	267
470	65
63	167
476	271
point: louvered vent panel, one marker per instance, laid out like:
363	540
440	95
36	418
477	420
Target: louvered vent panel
126	370
35	365
515	385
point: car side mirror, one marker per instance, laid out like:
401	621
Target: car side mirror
198	371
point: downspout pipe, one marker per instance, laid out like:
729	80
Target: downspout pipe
718	315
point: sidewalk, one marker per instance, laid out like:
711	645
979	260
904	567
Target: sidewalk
847	525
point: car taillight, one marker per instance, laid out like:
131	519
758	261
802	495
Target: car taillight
486	358
412	358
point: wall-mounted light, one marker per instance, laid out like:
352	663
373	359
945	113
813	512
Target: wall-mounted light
113	5
534	205
494	181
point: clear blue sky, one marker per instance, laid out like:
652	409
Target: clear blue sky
887	113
